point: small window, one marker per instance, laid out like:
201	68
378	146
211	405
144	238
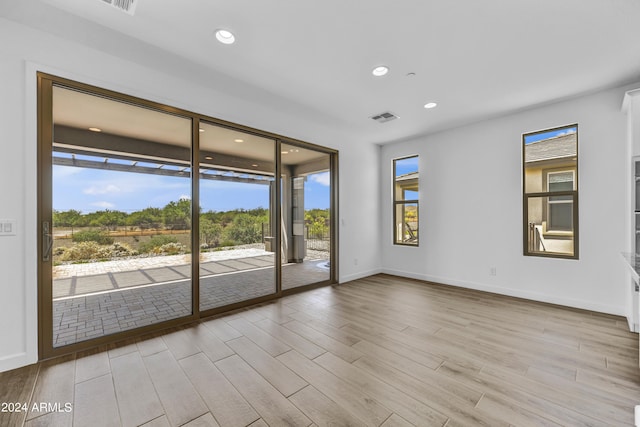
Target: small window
550	180
560	208
405	200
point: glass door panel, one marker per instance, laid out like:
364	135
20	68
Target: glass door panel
237	258
121	217
306	216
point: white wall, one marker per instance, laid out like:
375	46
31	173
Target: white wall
31	50
359	206
470	185
14	315
471	208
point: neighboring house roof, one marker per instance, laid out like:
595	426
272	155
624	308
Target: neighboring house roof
553	148
407	176
408	181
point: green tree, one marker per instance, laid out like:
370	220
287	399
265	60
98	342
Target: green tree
210	232
177	215
108	219
146	219
318	228
317	221
100	237
311	214
245	229
71	218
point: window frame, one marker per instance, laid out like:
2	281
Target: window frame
548	194
550	203
549	172
403	202
45	84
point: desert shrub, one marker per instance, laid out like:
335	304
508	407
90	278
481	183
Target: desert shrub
155	243
100	237
210	232
172	248
81	251
59	251
244	229
119	249
86	251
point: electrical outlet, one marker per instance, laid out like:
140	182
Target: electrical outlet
492	271
355	261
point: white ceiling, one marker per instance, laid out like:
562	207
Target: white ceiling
476	59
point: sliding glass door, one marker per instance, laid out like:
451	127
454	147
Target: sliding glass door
306	216
152	217
237	259
117	233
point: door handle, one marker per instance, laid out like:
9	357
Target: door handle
47	241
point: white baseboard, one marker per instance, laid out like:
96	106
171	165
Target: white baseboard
360	275
518	293
14	361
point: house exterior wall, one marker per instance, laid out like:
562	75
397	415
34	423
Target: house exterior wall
535	182
471	216
32	50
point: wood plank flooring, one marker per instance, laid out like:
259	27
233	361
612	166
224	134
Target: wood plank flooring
380	351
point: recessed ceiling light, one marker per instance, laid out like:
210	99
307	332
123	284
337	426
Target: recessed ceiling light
284	152
430	105
95	129
225	36
238	140
254	165
380	71
208	157
201	130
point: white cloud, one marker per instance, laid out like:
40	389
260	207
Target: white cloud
184	197
103	205
323	178
106	189
567	132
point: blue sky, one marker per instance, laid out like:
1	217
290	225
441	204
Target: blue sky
404	166
528	139
90	190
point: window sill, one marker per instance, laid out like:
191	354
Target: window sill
552	234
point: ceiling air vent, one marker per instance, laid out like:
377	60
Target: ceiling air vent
384	117
128	6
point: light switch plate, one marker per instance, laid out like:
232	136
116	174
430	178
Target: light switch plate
8	227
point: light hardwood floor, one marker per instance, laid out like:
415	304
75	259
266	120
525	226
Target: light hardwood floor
380	351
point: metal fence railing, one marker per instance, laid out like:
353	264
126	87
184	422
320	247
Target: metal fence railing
314	241
318	241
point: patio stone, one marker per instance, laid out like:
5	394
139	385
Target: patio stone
87	305
130	278
161	274
87	284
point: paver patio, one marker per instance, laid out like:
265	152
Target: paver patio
92	305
